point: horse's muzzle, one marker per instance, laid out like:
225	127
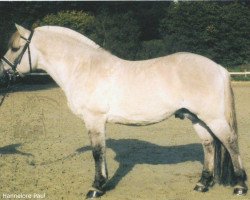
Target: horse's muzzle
7	77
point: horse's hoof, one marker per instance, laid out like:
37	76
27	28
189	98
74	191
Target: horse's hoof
94	194
240	191
201	188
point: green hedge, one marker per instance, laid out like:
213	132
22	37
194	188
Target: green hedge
118	33
76	20
217	30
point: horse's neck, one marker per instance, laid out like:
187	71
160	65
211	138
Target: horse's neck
69	64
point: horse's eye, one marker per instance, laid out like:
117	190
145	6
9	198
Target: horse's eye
14	49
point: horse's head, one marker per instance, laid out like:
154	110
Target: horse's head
20	57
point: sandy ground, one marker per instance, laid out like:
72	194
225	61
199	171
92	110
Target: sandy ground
44	150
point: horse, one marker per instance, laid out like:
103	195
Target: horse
102	88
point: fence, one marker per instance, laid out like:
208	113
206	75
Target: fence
231	73
239	73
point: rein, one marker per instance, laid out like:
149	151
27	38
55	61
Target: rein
19	58
6	93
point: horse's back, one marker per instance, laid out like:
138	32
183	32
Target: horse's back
154	89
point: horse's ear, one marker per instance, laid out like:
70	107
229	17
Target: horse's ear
22	31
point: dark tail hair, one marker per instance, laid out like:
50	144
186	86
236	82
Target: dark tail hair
223	166
224	170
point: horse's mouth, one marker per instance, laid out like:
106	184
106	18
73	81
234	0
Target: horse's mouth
8	77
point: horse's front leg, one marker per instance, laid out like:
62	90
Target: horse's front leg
96	131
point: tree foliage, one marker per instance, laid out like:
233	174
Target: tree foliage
142	30
76	20
219	31
118	33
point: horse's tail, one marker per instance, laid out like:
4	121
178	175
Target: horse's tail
224	170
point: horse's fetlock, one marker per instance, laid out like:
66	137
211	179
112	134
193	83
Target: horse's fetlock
206	178
99	182
240	175
206	174
94	193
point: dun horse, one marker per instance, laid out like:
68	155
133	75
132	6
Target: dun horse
101	88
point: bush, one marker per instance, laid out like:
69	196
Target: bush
152	49
219	31
118	33
77	20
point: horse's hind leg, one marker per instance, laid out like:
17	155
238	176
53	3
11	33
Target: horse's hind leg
228	136
206	179
96	131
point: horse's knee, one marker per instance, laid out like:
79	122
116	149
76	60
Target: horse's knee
209	148
96	138
208	142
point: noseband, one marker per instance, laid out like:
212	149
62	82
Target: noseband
19	58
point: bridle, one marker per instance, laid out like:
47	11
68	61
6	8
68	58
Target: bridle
12	74
19	58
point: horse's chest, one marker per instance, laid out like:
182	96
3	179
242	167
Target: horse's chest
81	103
